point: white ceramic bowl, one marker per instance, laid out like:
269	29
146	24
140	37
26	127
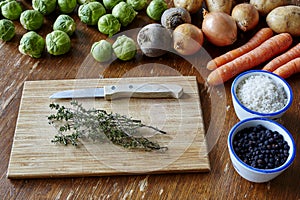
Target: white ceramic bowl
254	174
243	112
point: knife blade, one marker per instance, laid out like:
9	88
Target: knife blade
148	91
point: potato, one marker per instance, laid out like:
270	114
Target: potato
192	6
265	6
219	5
285	19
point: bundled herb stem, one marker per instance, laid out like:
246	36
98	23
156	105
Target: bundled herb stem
76	122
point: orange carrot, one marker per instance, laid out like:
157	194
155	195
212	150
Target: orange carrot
289	68
283	58
261	36
268	49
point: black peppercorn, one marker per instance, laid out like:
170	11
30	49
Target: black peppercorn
260	147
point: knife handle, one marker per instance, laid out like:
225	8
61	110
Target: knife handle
148	91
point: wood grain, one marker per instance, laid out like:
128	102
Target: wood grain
34	156
222	182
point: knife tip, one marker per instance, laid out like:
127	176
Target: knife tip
52	96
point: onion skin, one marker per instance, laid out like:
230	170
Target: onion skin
246	16
219	28
187	39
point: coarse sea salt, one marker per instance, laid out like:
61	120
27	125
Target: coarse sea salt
260	93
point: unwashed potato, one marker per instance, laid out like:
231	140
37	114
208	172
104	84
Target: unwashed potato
265	6
285	19
219	5
192	6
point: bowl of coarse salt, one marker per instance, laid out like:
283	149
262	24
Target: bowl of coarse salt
259	93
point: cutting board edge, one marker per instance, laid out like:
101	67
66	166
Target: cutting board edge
103	174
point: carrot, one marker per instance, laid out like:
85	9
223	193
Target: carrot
283	58
261	36
268	49
289	68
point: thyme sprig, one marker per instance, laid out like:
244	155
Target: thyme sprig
76	122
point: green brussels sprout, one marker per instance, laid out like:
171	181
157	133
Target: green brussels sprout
80	2
65	23
58	42
156	8
109	25
91	12
124	13
102	51
3	2
44	6
67	6
32	44
7	29
31	19
124	48
11	10
110	4
138	4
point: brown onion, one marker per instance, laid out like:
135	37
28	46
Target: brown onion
246	16
219	28
187	39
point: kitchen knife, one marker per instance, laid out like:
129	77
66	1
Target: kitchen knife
148	91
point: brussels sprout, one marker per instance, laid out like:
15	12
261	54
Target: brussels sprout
110	4
44	6
3	2
138	4
156	8
124	48
65	23
58	42
31	19
7	29
32	44
11	10
67	6
124	13
109	25
91	12
102	51
80	2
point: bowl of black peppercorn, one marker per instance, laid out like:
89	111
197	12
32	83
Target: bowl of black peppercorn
260	149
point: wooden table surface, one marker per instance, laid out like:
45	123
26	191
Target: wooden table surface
222	182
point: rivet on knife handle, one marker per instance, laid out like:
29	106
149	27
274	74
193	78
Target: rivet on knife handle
148	91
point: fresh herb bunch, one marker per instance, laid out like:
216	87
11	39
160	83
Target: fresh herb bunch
96	124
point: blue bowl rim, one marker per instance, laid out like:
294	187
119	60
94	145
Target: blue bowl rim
268	171
255	112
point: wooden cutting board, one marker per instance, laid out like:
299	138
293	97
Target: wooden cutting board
33	154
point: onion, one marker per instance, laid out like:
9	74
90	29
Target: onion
246	16
187	39
219	28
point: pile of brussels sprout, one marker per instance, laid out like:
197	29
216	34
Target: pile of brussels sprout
57	42
114	14
124	48
109	16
